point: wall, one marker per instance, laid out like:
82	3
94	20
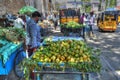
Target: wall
11	6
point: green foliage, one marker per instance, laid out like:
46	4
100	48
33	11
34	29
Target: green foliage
85	0
72	24
28	65
12	34
87	8
112	3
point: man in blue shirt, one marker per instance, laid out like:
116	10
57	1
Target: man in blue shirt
33	33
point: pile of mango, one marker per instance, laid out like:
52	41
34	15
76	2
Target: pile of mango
74	53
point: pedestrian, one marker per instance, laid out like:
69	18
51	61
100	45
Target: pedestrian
82	18
92	21
34	36
33	33
55	20
86	26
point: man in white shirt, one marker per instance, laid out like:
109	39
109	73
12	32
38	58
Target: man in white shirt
19	23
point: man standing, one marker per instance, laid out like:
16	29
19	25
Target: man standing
33	33
92	20
19	23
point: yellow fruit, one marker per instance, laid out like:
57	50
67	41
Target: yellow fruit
81	60
53	57
57	60
46	59
72	60
62	58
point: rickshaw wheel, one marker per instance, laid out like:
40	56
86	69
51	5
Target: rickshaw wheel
18	68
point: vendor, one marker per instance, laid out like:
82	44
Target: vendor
33	33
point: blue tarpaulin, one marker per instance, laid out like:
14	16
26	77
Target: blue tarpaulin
6	68
7	49
8	52
56	38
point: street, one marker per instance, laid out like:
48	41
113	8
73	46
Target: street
26	25
108	43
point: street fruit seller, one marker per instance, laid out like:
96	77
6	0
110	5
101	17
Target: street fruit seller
33	33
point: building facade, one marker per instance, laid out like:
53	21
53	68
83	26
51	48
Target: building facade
95	5
79	4
10	6
45	5
118	3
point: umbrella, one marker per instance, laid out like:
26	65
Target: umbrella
27	9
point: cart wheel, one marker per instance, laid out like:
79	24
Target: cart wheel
19	69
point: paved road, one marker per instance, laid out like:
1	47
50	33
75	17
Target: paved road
109	43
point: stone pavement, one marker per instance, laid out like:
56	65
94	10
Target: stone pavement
108	43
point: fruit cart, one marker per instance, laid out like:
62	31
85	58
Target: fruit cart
9	52
72	28
70	23
62	59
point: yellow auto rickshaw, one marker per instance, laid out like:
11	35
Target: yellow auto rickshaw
107	21
118	16
70	14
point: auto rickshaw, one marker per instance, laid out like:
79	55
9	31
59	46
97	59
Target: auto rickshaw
107	21
70	14
118	15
